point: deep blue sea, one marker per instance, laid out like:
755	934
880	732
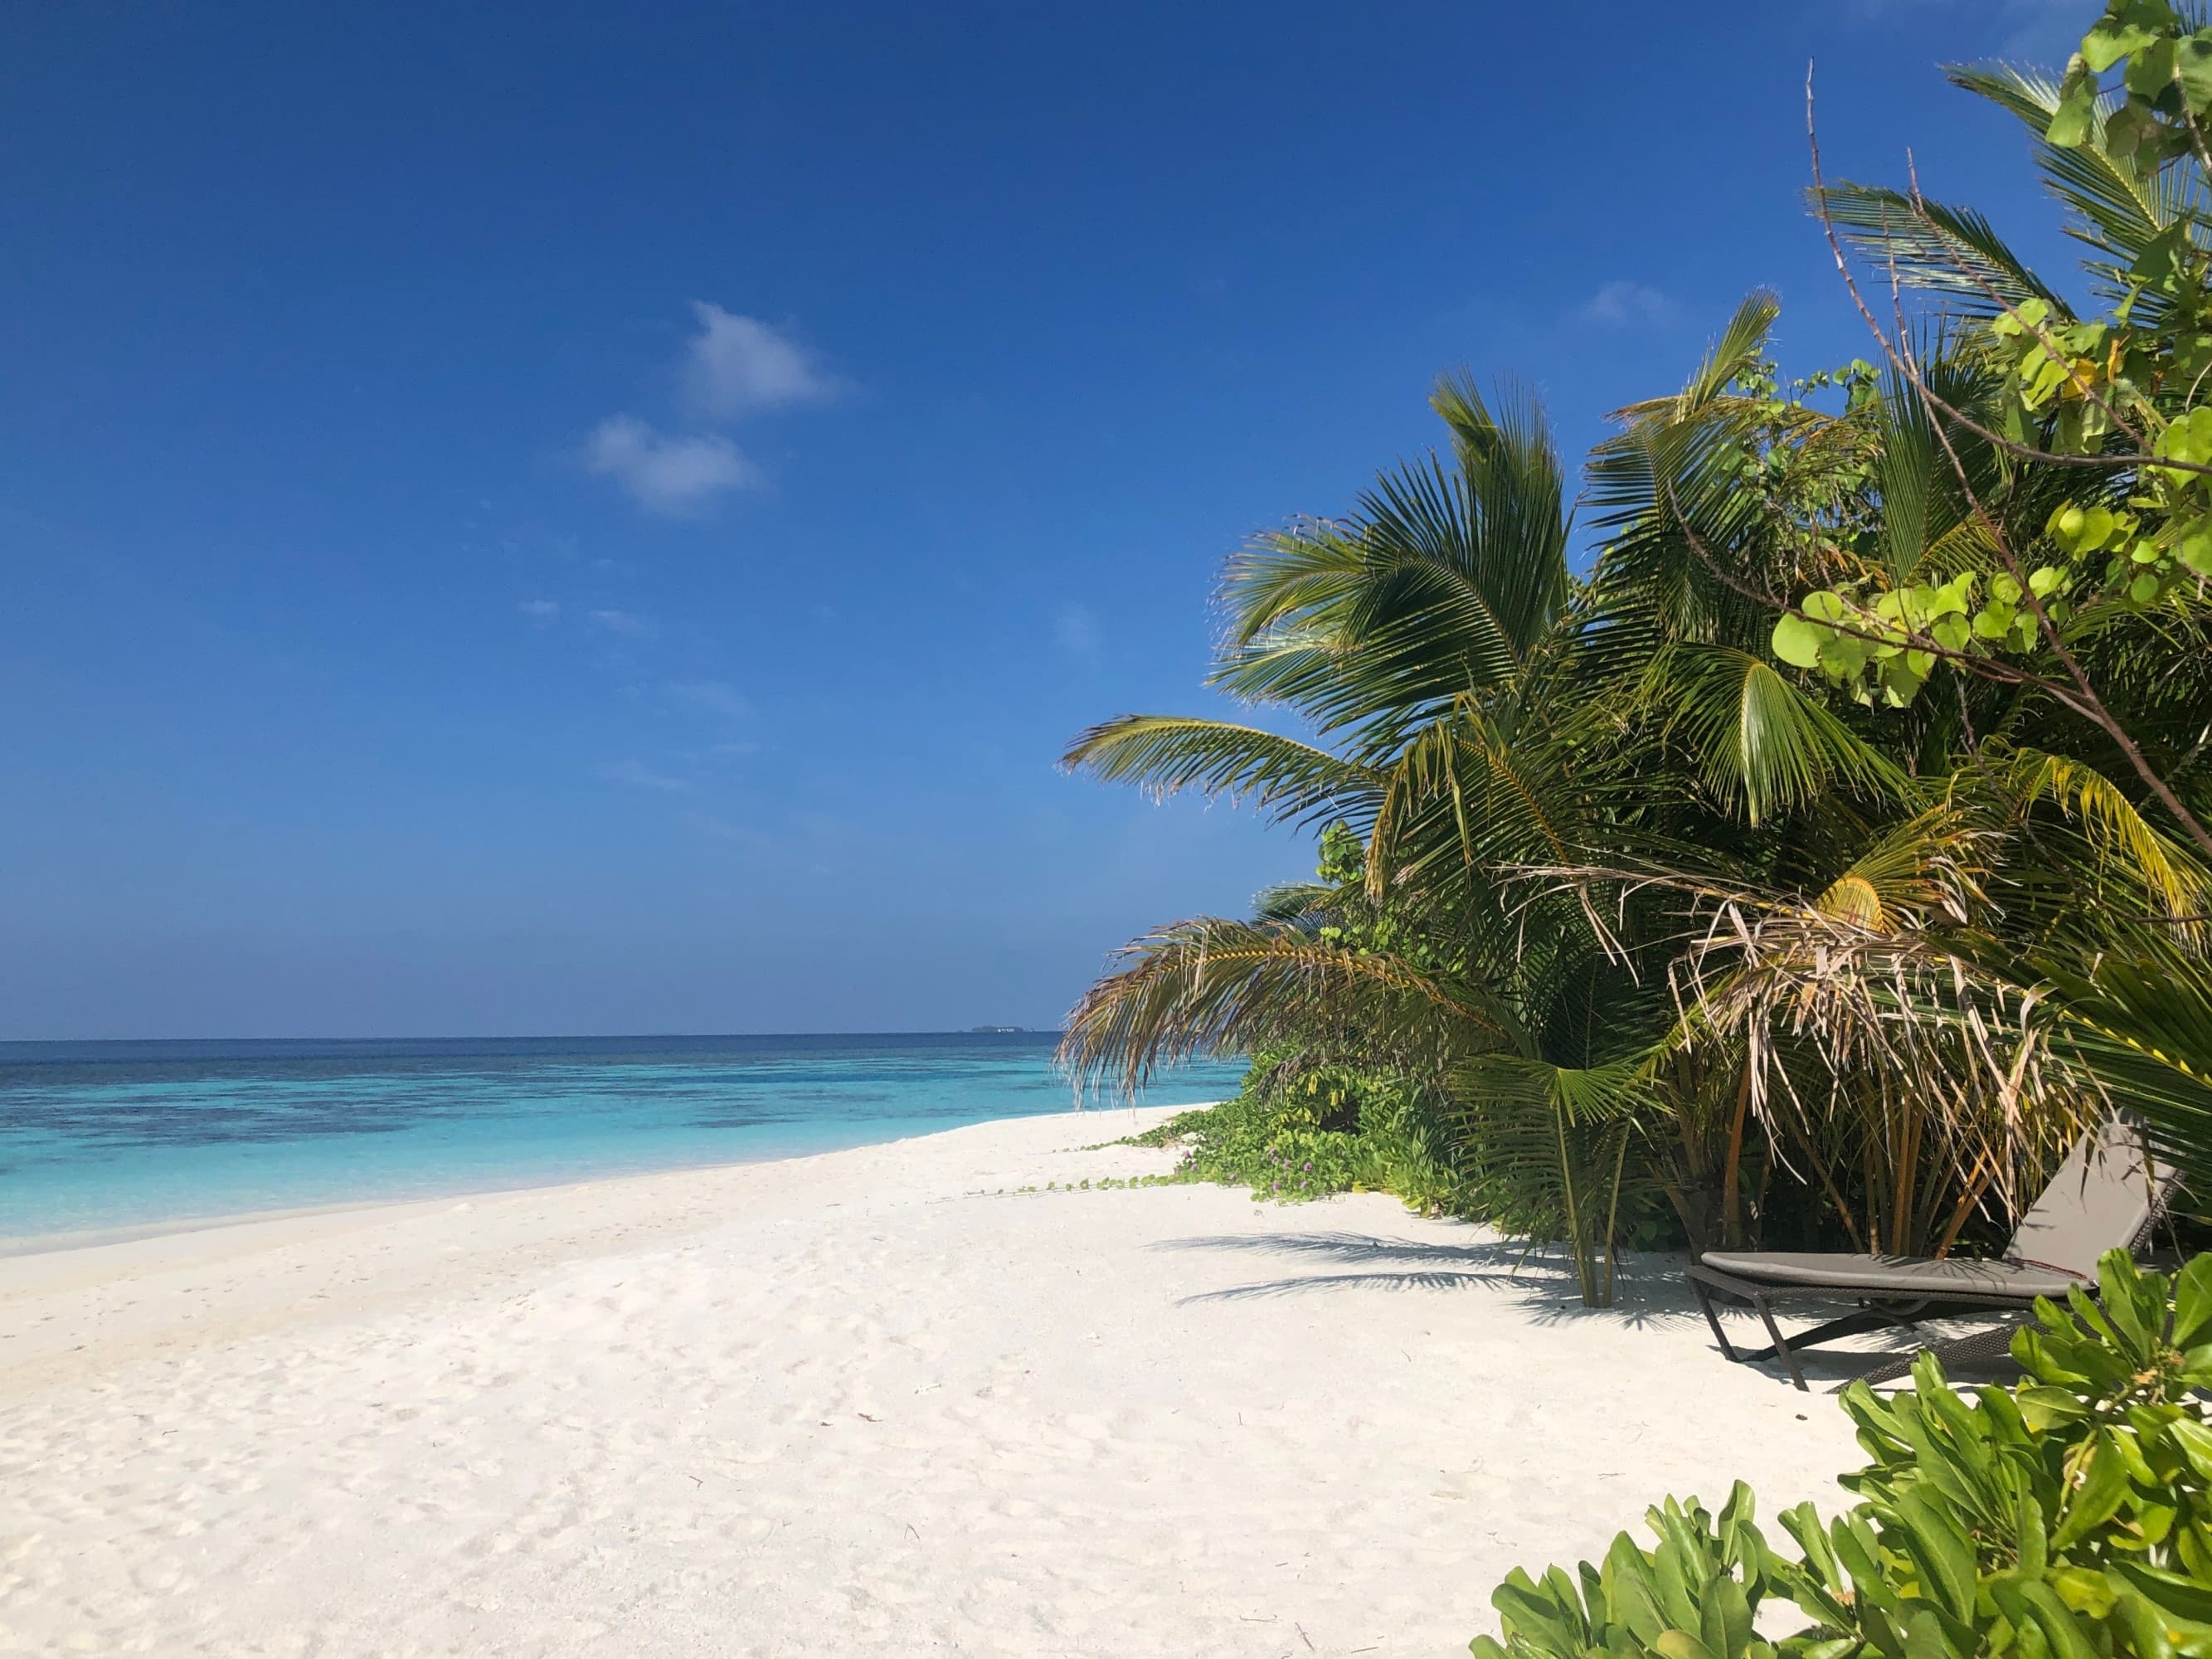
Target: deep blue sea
105	1137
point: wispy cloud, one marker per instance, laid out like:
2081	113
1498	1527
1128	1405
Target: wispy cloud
737	365
541	611
639	775
1075	631
1624	303
713	696
625	624
669	473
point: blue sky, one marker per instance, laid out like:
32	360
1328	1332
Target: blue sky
581	518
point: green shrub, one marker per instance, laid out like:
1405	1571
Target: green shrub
2070	1517
1298	1131
1302	1129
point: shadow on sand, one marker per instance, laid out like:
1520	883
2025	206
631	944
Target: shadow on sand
1650	1290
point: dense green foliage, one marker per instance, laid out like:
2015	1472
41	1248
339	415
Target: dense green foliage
1296	1132
2067	1518
1819	863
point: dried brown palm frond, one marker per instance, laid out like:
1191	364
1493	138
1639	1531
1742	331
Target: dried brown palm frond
1891	1051
1883	1045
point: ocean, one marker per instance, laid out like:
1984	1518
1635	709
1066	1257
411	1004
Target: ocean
107	1138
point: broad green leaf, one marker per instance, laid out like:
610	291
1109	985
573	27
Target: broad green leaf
2192	1303
2109	40
2194	1440
2145	1628
1680	1645
1824	605
2150	68
2069	124
2059	1626
2083	1589
2179	1597
1941	1549
1797	641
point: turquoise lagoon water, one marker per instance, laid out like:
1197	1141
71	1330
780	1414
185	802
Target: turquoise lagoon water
104	1137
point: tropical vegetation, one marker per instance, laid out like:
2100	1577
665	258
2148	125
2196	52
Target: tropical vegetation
2070	1517
1799	832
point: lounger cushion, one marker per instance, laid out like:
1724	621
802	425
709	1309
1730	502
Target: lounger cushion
1903	1275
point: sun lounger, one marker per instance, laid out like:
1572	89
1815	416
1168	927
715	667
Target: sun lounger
2108	1193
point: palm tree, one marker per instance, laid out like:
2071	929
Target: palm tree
1470	704
1637	898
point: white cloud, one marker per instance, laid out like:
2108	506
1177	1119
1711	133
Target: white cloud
739	365
1075	631
541	610
638	775
715	696
668	473
1625	303
627	625
733	366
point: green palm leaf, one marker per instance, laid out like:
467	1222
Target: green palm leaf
1949	250
2119	208
1563	1132
2140	1019
1761	745
1215	985
1288	781
1445	580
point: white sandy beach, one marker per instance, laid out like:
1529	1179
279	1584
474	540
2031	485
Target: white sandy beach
871	1402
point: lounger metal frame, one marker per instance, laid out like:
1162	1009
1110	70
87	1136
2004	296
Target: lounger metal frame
1907	1308
1875	1312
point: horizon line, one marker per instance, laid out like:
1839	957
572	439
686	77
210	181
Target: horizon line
559	1037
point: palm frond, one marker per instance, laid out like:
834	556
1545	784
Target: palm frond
1287	780
1297	901
1761	745
1952	252
1563	1134
1215	986
2140	1019
2173	879
2119	208
1444	580
1742	342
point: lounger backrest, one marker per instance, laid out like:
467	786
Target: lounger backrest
2102	1197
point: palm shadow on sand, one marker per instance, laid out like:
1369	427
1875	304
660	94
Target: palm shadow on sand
1373	1262
1653	1292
